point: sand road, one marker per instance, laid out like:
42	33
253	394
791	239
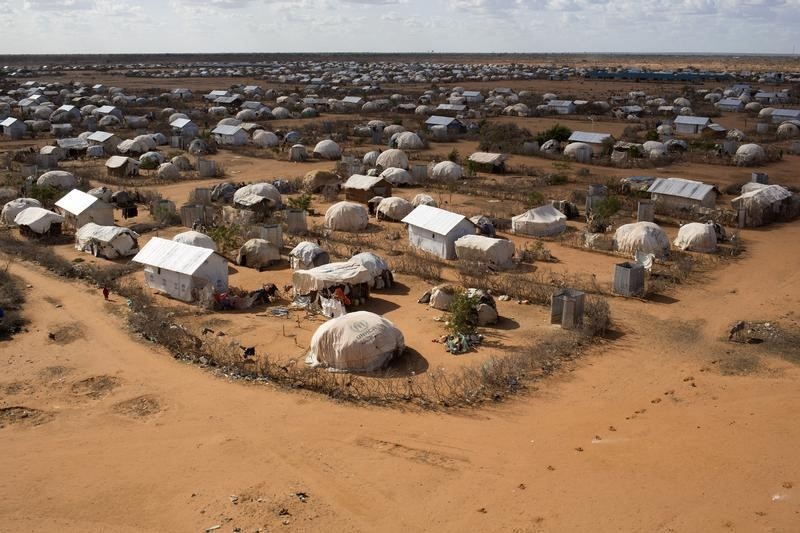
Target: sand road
644	434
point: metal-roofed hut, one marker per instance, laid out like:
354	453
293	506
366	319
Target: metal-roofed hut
436	230
79	208
679	193
489	162
360	188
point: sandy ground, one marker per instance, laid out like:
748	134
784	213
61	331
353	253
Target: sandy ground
648	435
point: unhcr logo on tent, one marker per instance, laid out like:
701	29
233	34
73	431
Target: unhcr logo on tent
360	326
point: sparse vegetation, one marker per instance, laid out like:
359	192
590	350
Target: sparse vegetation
11	300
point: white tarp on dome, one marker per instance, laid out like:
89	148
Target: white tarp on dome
346	216
398	176
392	158
57	178
644	237
37	219
328	149
394	208
307	255
15	207
357	342
263	190
697	237
195	238
540	222
257	253
424	199
110	242
324	276
497	253
446	171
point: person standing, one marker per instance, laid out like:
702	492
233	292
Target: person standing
105	292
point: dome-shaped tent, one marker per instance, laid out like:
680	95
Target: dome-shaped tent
168	171
265	138
263	190
316	180
181	162
346	216
749	154
357	342
697	237
406	140
393	158
539	222
446	171
766	112
398	176
198	147
424	199
298	153
787	130
377	267
371	158
15	207
393	208
258	253
578	151
195	238
103	193
644	237
307	255
328	149
60	179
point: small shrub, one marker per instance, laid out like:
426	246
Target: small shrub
557	132
462	309
608	207
454	156
597	317
302	202
227	236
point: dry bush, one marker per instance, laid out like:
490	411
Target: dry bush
415	264
597	316
11	300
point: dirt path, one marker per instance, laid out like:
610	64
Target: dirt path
645	436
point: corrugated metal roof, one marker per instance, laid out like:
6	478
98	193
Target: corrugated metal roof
180	122
106	109
589	137
226	130
173	256
731	102
559	103
680	187
362	182
793	113
437	120
693	121
8	122
433	219
100	136
76	202
452	107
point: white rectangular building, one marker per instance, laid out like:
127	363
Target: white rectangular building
182	270
436	230
79	208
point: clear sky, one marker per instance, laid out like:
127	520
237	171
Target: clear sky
130	26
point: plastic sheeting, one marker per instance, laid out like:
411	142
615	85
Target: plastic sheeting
539	222
356	342
394	208
697	237
346	216
644	237
498	253
324	276
257	253
37	219
306	255
195	238
15	207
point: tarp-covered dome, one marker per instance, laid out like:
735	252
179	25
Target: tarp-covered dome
258	253
168	171
15	207
371	158
644	237
748	154
578	151
394	208
346	216
424	199
328	149
264	190
446	171
195	238
37	219
308	255
406	140
398	176
372	262
787	130
103	193
356	342
265	138
540	222
59	179
393	158
181	162
316	180
697	237
198	147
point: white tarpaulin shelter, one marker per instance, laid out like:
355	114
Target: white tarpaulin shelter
394	208
195	238
697	237
497	253
328	149
79	208
644	237
760	204
60	179
436	230
446	171
258	253
266	191
424	199
392	158
540	222
377	267
15	207
308	255
182	270
346	216
356	342
110	242
37	219
324	276
398	176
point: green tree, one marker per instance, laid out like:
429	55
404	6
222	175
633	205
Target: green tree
462	314
557	132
